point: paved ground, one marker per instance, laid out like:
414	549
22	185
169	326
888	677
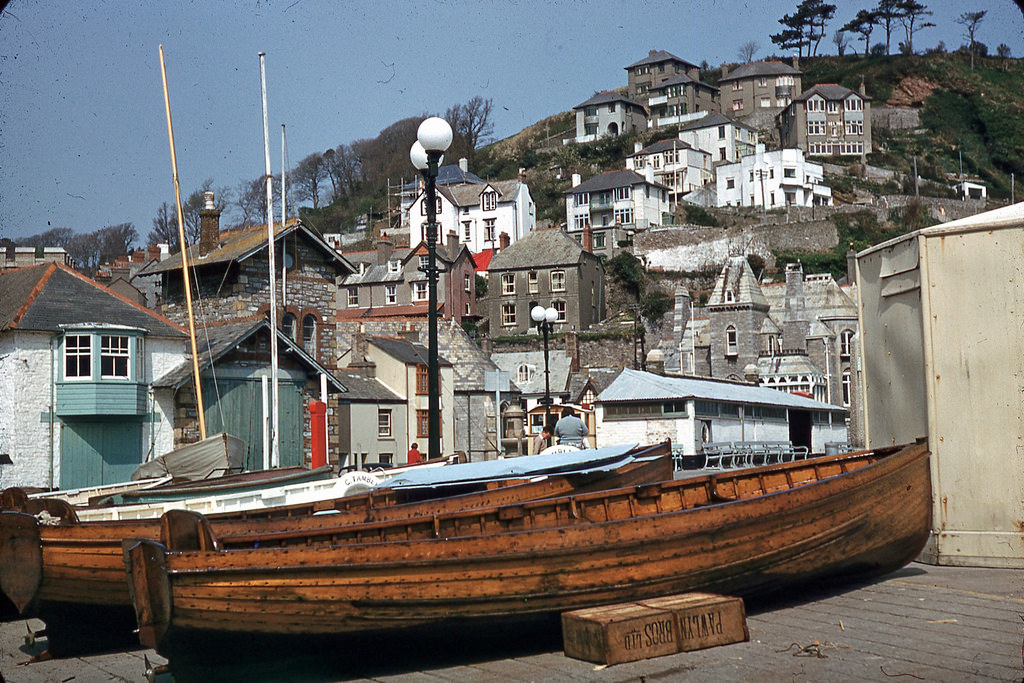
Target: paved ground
920	623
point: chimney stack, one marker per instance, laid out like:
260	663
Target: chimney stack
453	245
384	249
504	241
464	164
209	225
360	364
575	179
588	239
572	349
795	325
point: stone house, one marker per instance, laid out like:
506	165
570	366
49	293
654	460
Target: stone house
613	205
782	177
827	120
759	86
608	114
79	367
548	268
656	68
724	138
389	282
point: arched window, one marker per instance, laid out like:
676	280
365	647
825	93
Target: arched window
731	346
288	325
309	334
524	374
845	344
847	387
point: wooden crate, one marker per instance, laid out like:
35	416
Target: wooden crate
705	620
619	633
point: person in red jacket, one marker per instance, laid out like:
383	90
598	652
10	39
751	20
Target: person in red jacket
413	456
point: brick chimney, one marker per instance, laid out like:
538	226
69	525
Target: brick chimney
453	245
384	249
503	241
588	239
572	349
360	364
209	225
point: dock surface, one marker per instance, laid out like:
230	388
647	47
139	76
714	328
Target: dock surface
922	622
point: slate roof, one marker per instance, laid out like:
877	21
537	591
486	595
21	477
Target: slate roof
469	195
406	351
558	364
452	174
599	378
823	299
664	146
606	97
681	79
213	342
611	180
50	295
657	56
755	69
238	245
375	273
738	279
829	91
715	119
540	248
634	385
363	389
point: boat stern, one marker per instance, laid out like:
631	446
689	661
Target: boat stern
21	558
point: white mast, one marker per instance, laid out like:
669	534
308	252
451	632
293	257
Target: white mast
275	454
284	221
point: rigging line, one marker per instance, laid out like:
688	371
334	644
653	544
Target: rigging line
206	334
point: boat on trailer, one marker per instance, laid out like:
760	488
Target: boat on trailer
71	574
740	532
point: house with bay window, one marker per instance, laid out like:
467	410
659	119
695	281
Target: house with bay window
547	268
828	120
759	86
77	369
657	68
724	138
782	177
613	205
675	164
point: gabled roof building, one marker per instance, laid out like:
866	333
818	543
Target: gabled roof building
608	114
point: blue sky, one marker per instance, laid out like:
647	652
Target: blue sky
83	134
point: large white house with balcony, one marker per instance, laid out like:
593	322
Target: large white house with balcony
612	205
477	213
724	138
675	164
772	179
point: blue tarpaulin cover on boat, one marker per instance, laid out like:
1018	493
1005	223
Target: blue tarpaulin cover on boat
590	459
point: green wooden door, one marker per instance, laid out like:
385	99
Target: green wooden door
235	405
99	452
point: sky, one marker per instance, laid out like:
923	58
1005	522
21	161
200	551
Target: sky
83	130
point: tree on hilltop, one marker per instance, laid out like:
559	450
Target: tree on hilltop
864	23
970	21
911	12
805	27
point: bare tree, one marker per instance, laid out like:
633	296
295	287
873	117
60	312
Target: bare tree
864	23
165	227
471	125
911	12
747	51
307	177
970	21
192	205
54	237
115	241
841	41
343	170
251	202
85	249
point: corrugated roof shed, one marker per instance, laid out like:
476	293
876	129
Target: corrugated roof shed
634	385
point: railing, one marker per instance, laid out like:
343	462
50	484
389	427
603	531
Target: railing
734	455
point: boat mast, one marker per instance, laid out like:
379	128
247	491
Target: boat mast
275	453
184	256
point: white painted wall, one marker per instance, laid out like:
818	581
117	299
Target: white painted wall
24	401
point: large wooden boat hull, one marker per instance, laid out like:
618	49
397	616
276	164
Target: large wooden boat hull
736	533
65	572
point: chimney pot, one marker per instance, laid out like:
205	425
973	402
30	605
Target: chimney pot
209	225
208	201
464	164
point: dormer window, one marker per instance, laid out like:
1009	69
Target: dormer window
524	373
394	266
489	201
729	297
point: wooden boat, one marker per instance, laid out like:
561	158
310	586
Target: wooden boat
72	574
740	532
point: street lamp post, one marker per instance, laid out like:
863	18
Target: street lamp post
433	138
545	318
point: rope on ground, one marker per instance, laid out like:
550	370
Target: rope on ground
812	650
882	669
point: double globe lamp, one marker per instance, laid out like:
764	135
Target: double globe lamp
545	318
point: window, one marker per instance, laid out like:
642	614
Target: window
581	199
854	104
524	373
590	111
721	153
624	216
855	128
390	294
847	387
353	296
383	423
419	291
815	127
467	231
559	306
489	229
422	379
833	106
508	284
622	192
558	281
422	424
766	102
533	282
737	105
309	334
590	129
789	173
845	344
467	283
77	356
489	201
611	107
424	262
288	325
736	85
763	81
437	207
784	80
815	104
598	240
730	183
394	266
721	132
731	346
508	315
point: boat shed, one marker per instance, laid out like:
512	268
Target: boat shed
940	324
645	407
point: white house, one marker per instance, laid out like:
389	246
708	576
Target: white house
643	407
614	204
772	179
674	164
78	364
477	213
724	138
